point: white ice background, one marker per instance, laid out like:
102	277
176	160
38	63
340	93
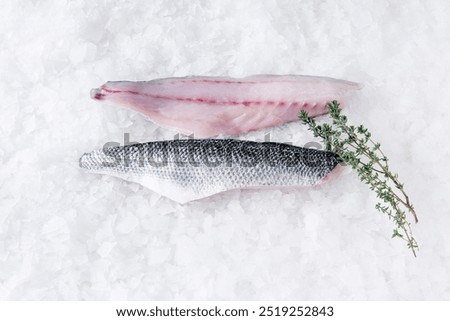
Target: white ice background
69	235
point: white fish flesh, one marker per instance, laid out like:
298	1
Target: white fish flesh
210	106
186	170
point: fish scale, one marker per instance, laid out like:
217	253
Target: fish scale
186	170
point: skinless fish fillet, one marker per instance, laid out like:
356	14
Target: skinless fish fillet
210	106
186	170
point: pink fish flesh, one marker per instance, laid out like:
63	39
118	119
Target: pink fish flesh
210	106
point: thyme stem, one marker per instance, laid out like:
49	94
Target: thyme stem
355	147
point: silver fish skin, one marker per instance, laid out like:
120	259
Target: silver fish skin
187	170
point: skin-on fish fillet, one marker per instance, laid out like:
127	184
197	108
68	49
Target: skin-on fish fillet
187	170
210	106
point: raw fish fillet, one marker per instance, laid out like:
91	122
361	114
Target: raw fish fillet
210	106
186	170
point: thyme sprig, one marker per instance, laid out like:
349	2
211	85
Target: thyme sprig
354	145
